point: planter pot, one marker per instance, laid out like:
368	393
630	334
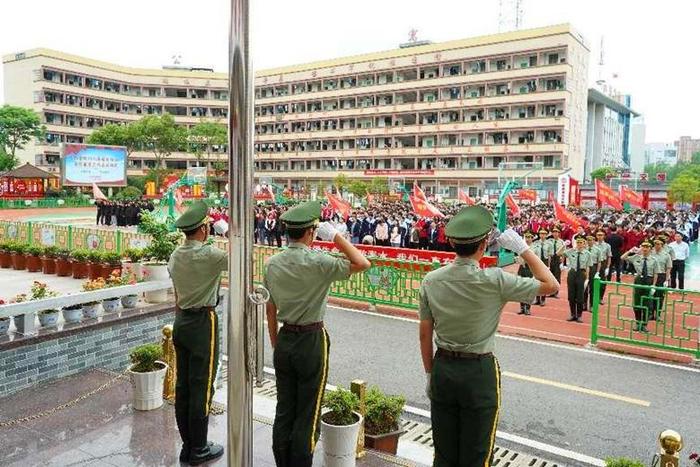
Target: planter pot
94	271
130	301
19	262
79	270
110	305
33	263
48	265
4	325
19	321
72	315
137	268
64	267
90	310
108	268
148	388
339	443
5	259
386	442
156	272
48	318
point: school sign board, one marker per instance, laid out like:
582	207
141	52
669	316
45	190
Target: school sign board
85	164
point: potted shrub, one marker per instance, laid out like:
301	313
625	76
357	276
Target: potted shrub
33	258
111	261
94	264
64	267
72	313
19	319
40	291
79	263
133	261
127	277
19	261
6	255
90	308
4	322
163	243
147	374
48	260
340	427
623	462
382	415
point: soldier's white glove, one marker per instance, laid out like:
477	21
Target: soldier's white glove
326	232
221	227
427	385
597	275
510	240
567	242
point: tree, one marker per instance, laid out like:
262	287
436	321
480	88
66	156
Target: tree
379	185
114	134
601	172
162	136
684	188
358	188
17	127
341	182
204	135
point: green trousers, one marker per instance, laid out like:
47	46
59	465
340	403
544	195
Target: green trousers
196	339
301	371
641	299
465	402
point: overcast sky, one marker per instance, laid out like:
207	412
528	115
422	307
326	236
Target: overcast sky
649	45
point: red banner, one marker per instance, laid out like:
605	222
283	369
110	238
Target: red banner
21	187
418	192
574	192
605	195
512	206
397	172
530	195
465	198
339	204
566	217
630	196
423	208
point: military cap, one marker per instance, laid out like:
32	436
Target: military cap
195	216
528	234
579	238
472	224
646	243
659	239
303	215
590	237
556	229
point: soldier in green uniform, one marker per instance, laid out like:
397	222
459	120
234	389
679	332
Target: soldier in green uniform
558	247
594	265
605	257
195	268
524	271
544	251
461	304
298	279
578	260
663	258
646	267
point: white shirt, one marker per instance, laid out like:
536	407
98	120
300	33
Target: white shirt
680	250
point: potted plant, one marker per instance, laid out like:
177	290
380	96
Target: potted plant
33	258
163	243
127	277
623	462
72	313
110	305
382	415
41	291
19	319
19	261
94	264
340	427
133	260
6	255
147	374
48	260
64	267
111	261
4	322
79	266
90	308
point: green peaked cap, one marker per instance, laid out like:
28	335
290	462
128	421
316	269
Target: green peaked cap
471	224
304	215
194	217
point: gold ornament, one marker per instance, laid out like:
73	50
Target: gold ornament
671	442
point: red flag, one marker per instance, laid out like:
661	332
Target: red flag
605	195
550	197
423	208
339	204
631	196
527	195
566	217
512	206
465	198
418	192
97	193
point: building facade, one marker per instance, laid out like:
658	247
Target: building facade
686	147
447	115
638	130
608	132
660	153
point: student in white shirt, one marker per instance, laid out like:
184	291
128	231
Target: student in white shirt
681	251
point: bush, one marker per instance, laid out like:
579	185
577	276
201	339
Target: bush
51	251
341	403
63	253
80	255
144	357
34	250
134	254
111	257
19	248
137	181
128	193
623	462
382	412
163	243
95	256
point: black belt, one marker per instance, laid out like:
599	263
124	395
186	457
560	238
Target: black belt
303	327
199	309
461	355
679	261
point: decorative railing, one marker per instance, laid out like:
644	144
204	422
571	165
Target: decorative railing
45	203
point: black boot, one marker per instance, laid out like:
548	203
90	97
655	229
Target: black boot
183	426
200	450
281	457
522	309
527	310
542	300
301	461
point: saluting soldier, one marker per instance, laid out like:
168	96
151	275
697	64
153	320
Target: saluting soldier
298	279
462	304
195	268
665	262
646	267
544	251
558	247
524	271
578	260
605	253
594	265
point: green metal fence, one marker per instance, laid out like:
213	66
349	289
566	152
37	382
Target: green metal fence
44	203
670	316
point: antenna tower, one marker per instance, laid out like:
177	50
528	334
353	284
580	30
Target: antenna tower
510	15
